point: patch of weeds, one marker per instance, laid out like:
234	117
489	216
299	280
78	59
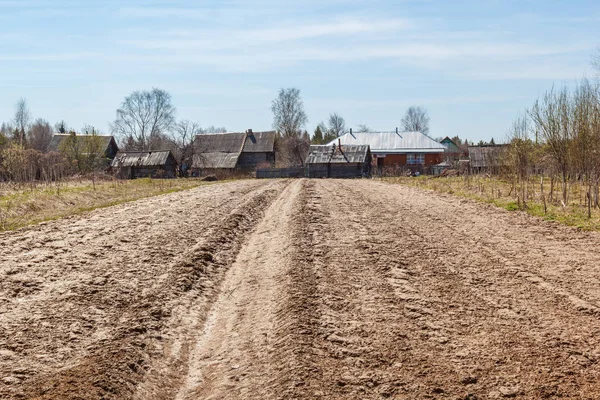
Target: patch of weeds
512	206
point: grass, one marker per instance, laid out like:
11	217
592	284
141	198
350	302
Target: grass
30	204
501	193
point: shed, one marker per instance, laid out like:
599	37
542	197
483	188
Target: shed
338	161
144	164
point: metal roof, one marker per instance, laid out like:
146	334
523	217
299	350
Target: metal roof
326	154
392	142
215	160
142	158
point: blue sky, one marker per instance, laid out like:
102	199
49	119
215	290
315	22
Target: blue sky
475	65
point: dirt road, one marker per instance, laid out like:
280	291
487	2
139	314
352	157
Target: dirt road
300	289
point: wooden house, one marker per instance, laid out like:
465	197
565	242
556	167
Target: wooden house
240	151
144	164
338	161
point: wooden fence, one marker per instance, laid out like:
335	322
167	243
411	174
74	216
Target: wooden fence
293	172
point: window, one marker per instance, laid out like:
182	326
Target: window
415	159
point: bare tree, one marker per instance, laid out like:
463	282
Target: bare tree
40	135
364	128
212	129
21	120
337	125
184	134
416	120
6	130
288	113
551	117
61	127
291	151
85	152
144	116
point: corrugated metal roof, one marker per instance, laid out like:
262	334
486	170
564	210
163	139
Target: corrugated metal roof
324	154
141	158
215	160
392	142
59	138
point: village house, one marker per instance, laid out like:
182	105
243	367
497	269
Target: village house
106	144
338	161
411	150
144	164
233	151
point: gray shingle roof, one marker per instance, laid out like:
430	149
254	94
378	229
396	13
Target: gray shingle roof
142	158
392	142
324	154
215	160
260	142
255	142
220	142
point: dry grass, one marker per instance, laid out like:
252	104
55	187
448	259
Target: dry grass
501	193
25	205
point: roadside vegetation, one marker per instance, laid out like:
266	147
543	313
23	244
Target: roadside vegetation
22	205
542	199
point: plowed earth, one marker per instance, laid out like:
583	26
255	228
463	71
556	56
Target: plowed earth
300	289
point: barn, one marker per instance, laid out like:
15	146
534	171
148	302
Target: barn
338	161
239	151
144	164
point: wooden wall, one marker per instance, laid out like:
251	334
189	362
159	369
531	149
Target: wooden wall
251	160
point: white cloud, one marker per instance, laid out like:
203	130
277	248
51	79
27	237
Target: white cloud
220	39
34	57
343	26
164	12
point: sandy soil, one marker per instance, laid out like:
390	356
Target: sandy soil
300	289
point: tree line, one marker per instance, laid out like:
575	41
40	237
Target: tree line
146	120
